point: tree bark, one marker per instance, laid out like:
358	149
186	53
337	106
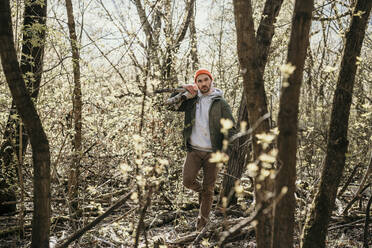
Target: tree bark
73	184
193	41
31	66
173	45
35	131
236	164
287	122
238	154
252	53
315	230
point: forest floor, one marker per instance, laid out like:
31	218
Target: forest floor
168	219
168	226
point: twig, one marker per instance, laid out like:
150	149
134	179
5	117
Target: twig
366	231
14	229
21	184
342	191
80	232
361	189
331	18
259	210
142	216
200	235
249	131
125	214
226	234
161	220
355	198
345	225
212	230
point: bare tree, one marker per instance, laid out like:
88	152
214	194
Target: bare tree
73	184
284	209
238	156
35	131
173	37
31	66
315	230
193	41
253	51
261	45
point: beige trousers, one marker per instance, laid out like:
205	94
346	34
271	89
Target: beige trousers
195	160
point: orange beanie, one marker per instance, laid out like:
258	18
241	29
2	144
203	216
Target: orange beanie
202	71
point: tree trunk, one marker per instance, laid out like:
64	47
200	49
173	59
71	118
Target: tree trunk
253	52
315	230
77	109
31	67
264	36
236	164
287	122
174	45
35	131
193	41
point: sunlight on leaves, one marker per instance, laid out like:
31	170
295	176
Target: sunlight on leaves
134	197
219	157
226	125
252	169
287	69
329	69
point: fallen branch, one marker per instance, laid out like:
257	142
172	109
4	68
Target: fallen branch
366	230
161	220
213	229
361	186
356	197
348	181
233	230
13	230
80	233
259	210
351	224
201	234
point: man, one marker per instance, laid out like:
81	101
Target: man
204	108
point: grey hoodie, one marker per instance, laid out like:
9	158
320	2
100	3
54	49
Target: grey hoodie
200	137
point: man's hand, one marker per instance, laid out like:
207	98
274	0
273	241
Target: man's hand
192	88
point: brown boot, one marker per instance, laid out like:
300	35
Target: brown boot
201	223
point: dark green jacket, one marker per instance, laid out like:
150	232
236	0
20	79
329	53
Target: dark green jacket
218	109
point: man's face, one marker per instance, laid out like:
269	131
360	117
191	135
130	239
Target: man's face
204	83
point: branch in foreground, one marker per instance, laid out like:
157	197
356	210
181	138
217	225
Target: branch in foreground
259	210
249	131
80	233
140	225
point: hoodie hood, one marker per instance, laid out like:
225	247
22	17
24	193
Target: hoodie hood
214	94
